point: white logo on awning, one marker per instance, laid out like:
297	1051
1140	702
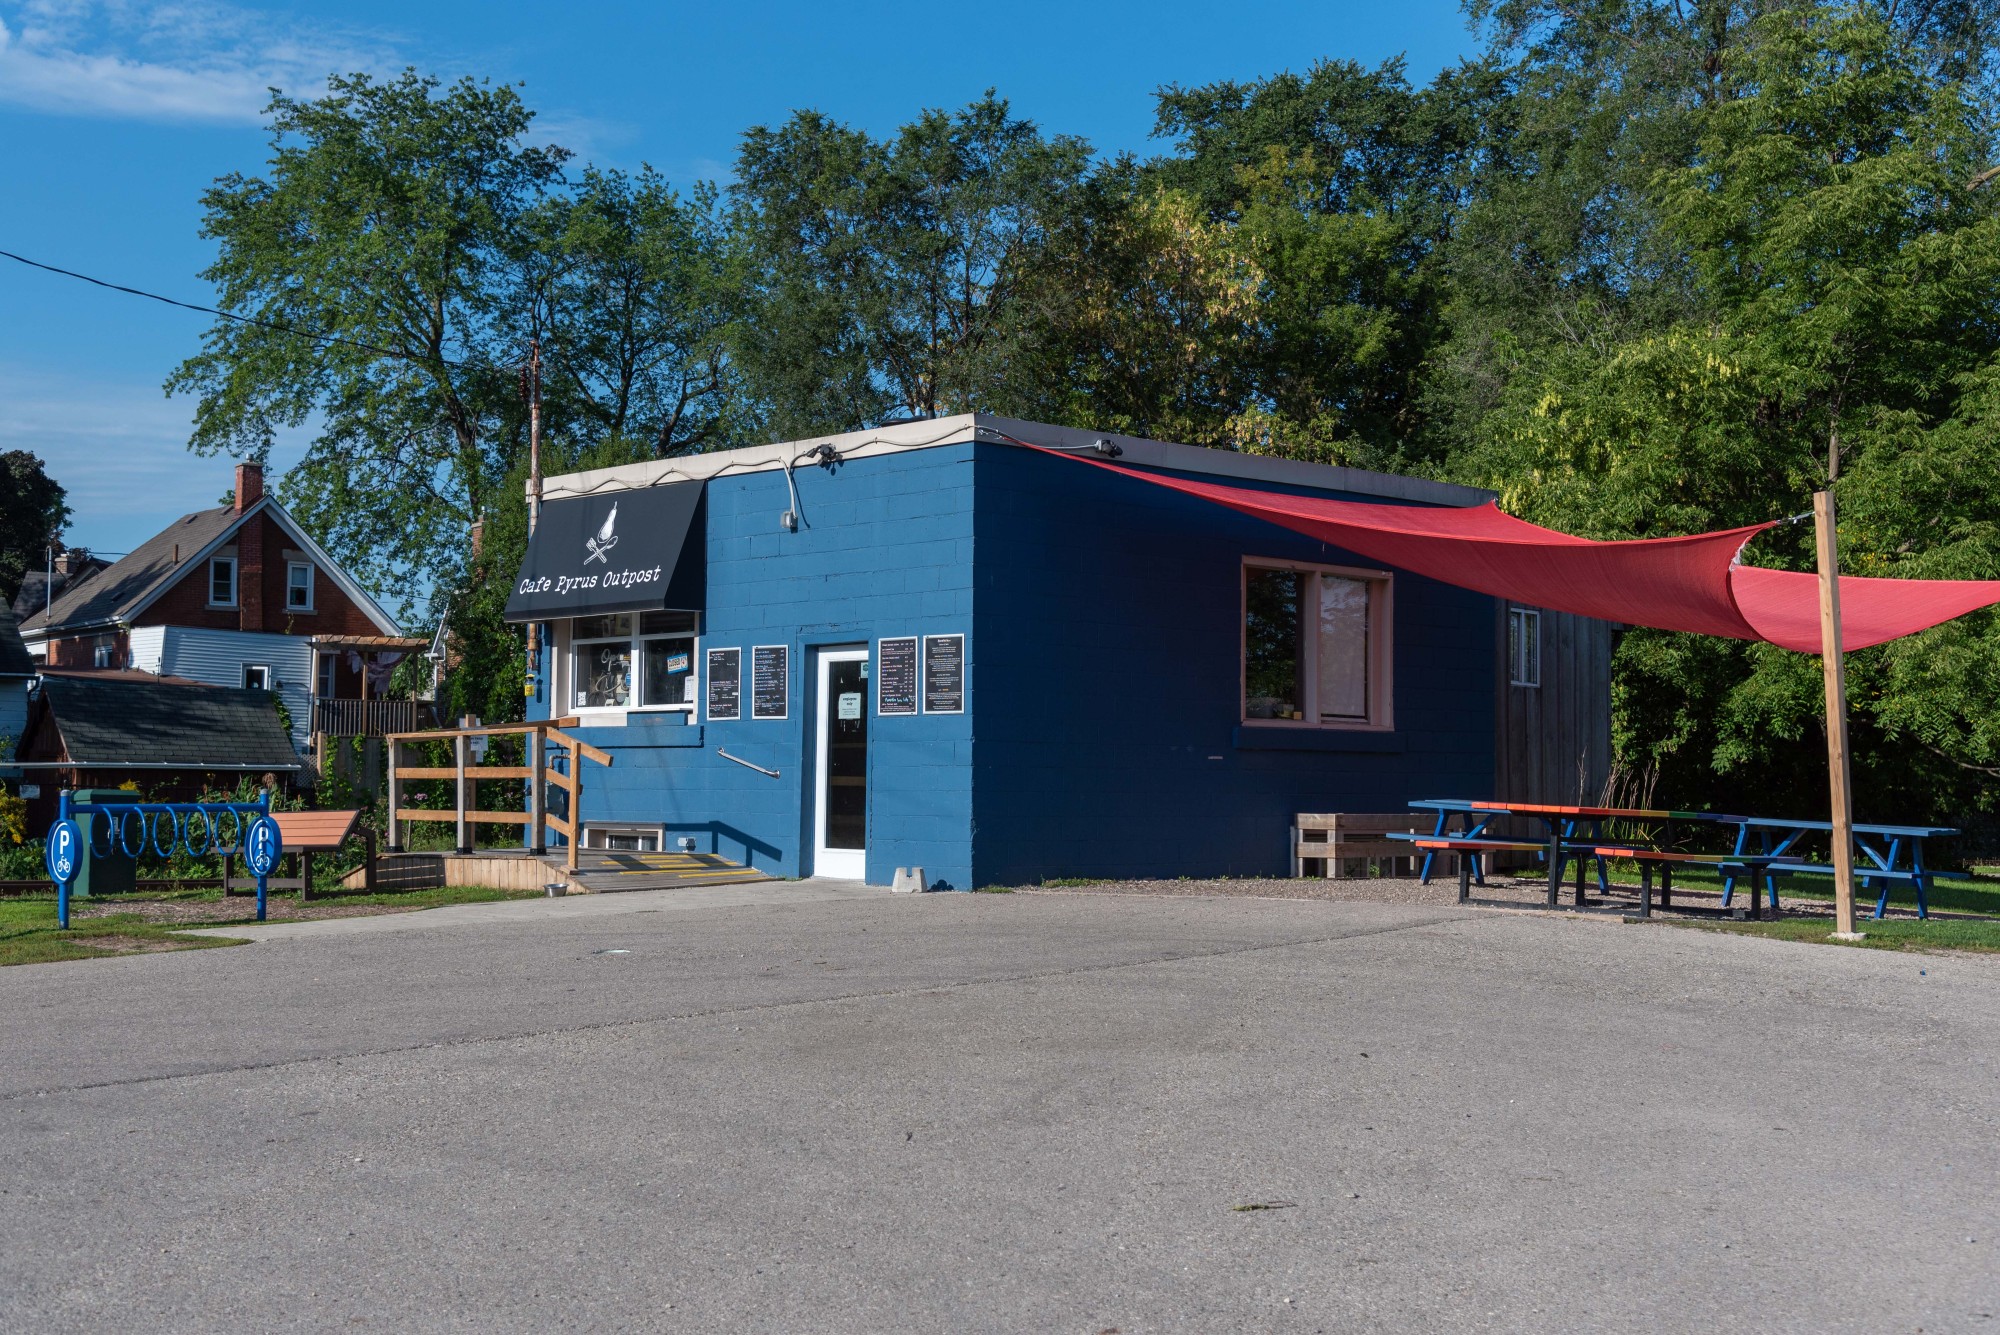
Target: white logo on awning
605	539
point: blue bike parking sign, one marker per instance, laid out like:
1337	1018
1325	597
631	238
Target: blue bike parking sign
64	843
262	846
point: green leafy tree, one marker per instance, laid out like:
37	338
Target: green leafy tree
33	509
888	275
1342	187
1824	290
631	289
387	219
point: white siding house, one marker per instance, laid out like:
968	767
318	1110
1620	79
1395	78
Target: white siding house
17	671
281	663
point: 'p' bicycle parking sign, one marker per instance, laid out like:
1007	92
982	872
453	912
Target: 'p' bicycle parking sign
64	842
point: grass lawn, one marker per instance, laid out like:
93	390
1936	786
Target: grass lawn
1954	892
1889	934
159	922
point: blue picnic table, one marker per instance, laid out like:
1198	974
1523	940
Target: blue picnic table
1886	854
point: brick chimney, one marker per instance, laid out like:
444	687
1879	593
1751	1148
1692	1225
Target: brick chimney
250	549
249	485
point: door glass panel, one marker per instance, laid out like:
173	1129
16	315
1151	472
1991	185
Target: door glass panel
847	755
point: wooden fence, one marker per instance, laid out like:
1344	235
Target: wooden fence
539	775
367	718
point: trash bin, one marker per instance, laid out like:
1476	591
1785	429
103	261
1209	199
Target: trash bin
118	873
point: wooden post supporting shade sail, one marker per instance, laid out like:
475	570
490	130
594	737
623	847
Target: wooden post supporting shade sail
1833	663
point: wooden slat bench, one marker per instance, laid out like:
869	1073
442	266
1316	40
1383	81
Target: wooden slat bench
305	833
1331	838
1469	851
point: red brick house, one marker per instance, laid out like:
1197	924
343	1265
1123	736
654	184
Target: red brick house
238	596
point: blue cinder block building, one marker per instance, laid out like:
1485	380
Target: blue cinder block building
928	645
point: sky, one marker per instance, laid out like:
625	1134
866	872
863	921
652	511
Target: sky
115	116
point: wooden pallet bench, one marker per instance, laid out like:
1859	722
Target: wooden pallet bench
1332	838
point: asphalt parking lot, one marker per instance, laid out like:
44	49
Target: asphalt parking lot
855	1112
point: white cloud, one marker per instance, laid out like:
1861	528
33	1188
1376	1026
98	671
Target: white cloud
178	62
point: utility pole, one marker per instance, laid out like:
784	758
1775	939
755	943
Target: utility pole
534	495
1833	663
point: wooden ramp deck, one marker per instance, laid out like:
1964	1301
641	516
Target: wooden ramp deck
596	873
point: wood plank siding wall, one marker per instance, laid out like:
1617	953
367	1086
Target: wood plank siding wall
1554	741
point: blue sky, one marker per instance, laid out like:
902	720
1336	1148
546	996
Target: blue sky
115	116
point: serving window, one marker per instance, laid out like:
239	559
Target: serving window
633	660
1316	646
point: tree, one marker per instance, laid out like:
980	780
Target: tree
33	510
1342	186
887	273
1818	308
370	263
631	289
1141	318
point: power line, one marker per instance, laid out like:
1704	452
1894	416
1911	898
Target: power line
227	315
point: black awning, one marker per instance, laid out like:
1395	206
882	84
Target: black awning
623	551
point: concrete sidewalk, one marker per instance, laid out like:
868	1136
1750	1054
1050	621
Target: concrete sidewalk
563	909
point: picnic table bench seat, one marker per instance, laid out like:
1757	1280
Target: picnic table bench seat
1470	851
1666	859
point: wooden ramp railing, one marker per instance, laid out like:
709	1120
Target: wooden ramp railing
465	776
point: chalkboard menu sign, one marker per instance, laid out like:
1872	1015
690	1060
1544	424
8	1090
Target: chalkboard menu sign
896	676
944	674
725	683
770	680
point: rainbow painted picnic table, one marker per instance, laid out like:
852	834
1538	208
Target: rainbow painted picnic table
1572	832
1765	846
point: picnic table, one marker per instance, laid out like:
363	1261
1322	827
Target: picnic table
1572	831
1886	854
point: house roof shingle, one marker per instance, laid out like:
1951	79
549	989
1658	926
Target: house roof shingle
106	724
107	594
34	595
14	659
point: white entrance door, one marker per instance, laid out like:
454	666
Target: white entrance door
840	800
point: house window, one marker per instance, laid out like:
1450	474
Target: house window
328	665
257	676
627	661
1316	646
222	581
299	586
104	652
1524	646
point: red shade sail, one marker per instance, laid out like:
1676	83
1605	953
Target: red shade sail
1691	583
